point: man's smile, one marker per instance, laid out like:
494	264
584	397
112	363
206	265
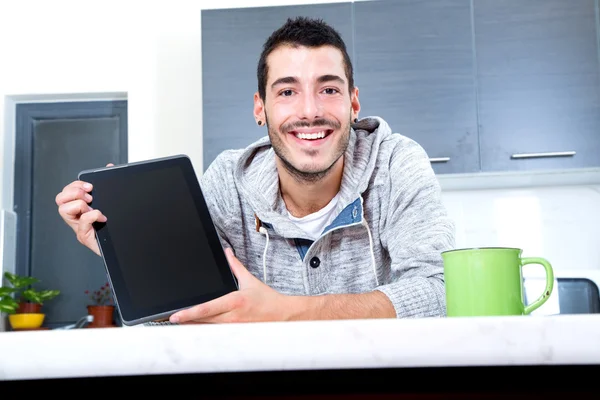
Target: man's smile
311	134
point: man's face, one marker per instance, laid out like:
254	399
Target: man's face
308	108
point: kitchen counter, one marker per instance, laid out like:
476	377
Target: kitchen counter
296	346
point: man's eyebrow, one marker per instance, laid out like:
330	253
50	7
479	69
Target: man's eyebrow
285	80
331	78
288	80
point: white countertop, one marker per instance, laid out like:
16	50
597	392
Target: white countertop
434	342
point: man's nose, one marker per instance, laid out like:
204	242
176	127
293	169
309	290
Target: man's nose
310	107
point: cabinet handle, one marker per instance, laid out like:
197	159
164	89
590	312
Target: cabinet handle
439	159
542	155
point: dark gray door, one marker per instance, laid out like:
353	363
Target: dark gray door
54	142
539	84
232	41
414	68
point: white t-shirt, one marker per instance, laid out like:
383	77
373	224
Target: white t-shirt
313	224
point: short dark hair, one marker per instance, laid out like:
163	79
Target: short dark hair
302	31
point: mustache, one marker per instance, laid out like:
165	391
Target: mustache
305	124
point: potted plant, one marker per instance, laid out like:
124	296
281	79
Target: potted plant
22	302
8	304
102	307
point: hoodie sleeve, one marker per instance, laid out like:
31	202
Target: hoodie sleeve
415	230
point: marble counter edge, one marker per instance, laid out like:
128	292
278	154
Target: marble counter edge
429	342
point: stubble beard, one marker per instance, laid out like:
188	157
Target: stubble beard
308	177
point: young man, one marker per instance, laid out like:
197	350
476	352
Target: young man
329	216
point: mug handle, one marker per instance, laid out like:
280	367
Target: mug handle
549	282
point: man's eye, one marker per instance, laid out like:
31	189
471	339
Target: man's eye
330	91
286	93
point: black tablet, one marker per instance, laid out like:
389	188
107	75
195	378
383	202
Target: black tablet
159	244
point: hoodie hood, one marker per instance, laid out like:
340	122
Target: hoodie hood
257	180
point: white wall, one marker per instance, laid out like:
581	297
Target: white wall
150	52
560	223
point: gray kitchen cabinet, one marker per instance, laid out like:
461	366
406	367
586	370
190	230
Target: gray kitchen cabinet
232	41
414	68
538	84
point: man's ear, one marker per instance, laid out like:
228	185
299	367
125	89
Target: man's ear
354	103
259	110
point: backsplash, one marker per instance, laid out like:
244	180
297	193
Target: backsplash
559	223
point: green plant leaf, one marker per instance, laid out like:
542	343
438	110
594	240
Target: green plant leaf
6	291
27	293
39	297
46	295
32	296
8	305
19	282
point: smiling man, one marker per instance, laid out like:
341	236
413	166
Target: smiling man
326	217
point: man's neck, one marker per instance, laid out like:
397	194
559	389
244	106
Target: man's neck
303	197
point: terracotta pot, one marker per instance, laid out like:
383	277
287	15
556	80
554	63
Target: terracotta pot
29	308
103	316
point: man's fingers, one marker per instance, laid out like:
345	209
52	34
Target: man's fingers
225	318
86	220
91	217
79	184
85	228
73	193
76	190
206	312
73	208
236	266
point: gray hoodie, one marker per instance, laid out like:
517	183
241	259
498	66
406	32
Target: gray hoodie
388	234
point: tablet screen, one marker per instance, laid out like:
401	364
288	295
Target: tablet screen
155	241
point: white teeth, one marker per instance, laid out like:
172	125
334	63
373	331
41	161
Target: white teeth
311	136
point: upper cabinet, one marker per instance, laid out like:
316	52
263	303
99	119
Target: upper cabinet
482	85
538	84
232	41
414	68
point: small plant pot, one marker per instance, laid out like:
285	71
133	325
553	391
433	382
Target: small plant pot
103	316
29	308
26	320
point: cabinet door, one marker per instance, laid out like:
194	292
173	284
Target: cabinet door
414	68
232	41
538	84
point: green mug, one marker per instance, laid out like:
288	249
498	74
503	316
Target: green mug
488	281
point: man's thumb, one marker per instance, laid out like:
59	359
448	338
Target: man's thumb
236	266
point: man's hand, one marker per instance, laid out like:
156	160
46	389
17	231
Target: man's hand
257	302
73	207
253	302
